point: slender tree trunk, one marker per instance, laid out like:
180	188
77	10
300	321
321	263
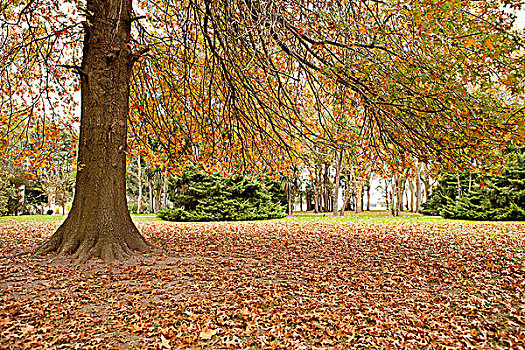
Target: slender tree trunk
411	198
139	176
158	199
325	189
165	190
51	202
459	186
308	200
348	194
316	202
387	196
290	196
316	185
400	187
23	200
151	198
418	189
425	178
394	197
359	199
368	196
362	198
99	224
338	166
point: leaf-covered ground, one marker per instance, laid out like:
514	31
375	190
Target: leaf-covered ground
289	284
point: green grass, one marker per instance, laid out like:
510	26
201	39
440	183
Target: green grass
381	216
33	218
375	216
60	218
385	216
145	218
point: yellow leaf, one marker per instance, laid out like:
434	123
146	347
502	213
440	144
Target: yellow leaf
164	343
489	44
470	42
208	334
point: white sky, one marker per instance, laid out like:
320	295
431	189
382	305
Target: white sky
520	20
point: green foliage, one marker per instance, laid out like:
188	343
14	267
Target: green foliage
8	192
198	196
11	199
133	208
491	197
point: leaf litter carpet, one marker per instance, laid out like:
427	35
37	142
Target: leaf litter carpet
407	284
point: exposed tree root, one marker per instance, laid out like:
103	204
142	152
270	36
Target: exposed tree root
95	239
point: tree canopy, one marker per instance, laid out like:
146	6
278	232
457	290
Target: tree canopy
237	85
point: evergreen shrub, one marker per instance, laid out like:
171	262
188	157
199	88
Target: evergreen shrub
198	196
491	197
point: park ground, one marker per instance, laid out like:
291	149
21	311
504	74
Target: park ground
309	282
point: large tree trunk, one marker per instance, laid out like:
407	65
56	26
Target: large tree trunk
99	224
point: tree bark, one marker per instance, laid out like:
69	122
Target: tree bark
99	224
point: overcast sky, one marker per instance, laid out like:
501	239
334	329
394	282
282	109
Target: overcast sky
520	21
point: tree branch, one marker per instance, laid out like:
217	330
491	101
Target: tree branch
77	69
